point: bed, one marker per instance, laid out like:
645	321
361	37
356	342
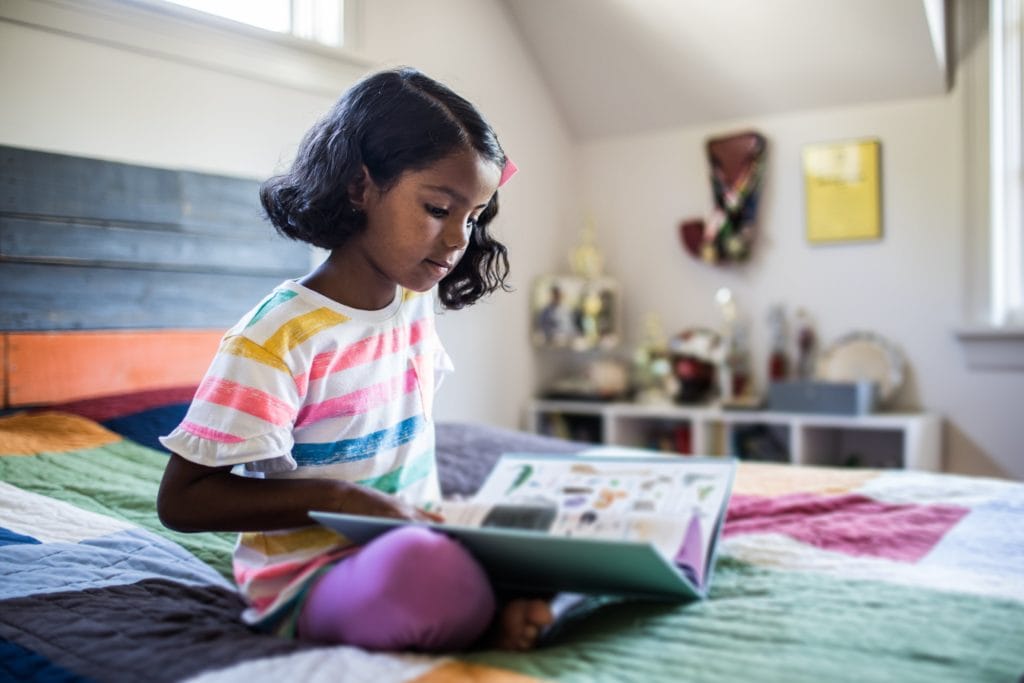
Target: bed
822	574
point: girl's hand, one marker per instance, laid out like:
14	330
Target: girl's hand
520	622
361	500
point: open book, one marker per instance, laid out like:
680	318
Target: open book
627	525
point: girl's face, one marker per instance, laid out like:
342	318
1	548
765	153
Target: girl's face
417	230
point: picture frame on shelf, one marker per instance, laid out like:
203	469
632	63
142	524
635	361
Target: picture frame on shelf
573	312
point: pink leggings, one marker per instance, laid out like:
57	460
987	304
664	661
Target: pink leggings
410	589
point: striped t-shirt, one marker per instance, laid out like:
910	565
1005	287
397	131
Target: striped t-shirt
305	387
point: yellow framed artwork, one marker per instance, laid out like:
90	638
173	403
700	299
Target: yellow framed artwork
843	190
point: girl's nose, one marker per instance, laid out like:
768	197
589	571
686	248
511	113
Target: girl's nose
456	235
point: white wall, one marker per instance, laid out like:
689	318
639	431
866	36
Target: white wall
909	287
80	96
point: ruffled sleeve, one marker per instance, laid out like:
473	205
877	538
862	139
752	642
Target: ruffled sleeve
243	411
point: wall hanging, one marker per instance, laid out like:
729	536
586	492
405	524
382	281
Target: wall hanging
737	169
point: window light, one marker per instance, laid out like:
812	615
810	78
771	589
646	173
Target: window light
321	21
1007	170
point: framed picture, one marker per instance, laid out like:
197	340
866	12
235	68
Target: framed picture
843	191
574	312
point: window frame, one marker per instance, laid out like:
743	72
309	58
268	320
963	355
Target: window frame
1006	159
347	16
998	343
187	36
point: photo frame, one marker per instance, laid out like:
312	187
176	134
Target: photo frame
577	313
842	182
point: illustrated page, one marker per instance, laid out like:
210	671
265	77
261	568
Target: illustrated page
622	499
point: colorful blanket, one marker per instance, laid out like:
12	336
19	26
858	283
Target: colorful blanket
823	574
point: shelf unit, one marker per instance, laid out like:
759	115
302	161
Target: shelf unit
910	441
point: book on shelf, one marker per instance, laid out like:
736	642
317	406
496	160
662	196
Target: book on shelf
617	524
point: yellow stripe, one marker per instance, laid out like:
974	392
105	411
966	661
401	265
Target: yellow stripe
246	348
312	538
409	295
467	672
301	328
29	434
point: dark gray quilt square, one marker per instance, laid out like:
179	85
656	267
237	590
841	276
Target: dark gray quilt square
153	630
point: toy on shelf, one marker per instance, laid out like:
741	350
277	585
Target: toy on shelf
653	379
778	359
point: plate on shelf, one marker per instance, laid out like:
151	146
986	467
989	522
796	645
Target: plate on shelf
861	356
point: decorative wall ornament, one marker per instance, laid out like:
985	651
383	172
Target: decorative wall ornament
737	169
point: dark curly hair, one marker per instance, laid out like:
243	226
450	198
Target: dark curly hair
390	122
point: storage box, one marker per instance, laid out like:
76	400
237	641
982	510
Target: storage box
831	398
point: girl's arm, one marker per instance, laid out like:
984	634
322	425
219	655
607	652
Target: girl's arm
198	498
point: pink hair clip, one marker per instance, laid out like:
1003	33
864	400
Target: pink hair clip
507	172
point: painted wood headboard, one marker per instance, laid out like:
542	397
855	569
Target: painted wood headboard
117	277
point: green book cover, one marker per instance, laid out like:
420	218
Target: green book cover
617	523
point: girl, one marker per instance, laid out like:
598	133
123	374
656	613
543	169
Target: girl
323	392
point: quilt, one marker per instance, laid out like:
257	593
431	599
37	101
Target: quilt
822	574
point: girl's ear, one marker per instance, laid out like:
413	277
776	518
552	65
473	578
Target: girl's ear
359	188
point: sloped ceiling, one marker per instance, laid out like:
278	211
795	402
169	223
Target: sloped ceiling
626	66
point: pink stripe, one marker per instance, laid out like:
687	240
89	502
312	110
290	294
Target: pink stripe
358	402
302	384
245	399
261	604
250	578
245	574
211	434
852	524
367	350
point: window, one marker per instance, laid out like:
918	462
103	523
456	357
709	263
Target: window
1006	33
322	21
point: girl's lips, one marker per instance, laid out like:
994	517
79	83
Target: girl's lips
447	265
441	267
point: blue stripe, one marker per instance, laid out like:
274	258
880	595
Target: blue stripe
144	427
270	304
353	450
20	664
8	537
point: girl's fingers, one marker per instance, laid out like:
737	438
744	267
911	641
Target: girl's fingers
539	612
521	622
429	516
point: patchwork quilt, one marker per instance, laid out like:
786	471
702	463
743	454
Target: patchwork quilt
823	574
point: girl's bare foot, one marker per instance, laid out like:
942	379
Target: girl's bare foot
520	623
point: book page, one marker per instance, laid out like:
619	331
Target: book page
631	499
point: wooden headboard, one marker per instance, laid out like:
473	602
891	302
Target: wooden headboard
120	277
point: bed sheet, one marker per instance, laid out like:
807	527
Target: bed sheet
822	574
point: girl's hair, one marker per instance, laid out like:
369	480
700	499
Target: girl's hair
390	122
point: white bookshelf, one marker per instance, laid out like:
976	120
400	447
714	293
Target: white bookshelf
910	441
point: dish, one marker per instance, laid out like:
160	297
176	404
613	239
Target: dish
859	356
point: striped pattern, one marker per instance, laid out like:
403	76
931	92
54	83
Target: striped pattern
305	387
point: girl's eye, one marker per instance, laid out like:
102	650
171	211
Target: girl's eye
436	211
